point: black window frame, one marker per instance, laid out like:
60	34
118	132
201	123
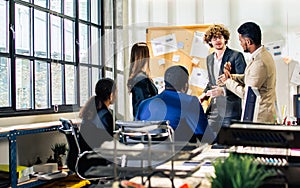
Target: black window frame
12	55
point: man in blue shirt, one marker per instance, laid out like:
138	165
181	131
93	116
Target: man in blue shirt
184	111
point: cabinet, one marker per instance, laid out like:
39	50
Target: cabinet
12	133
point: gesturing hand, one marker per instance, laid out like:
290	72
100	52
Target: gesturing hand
227	69
215	92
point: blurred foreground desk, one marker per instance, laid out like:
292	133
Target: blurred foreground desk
11	133
199	178
276	146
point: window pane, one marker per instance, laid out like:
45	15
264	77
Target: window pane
22	29
120	51
69	7
83	9
23	86
109	74
109	60
3	27
4	82
95	77
41	3
56	73
70	84
83	38
55	37
84	85
41	85
69	40
96	42
121	89
40	33
108	13
94	12
55	5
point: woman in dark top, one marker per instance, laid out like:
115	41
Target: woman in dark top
139	82
97	120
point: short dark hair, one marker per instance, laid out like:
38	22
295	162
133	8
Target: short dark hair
104	88
176	77
252	31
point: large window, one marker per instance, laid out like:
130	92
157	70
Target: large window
50	54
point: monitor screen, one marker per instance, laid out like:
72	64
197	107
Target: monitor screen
251	105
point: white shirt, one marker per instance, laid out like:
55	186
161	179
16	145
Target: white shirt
217	65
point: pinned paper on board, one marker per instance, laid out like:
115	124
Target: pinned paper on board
161	61
199	49
275	48
159	83
296	75
176	58
195	61
164	44
199	77
180	45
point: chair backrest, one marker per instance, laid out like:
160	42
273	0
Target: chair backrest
80	156
140	130
71	133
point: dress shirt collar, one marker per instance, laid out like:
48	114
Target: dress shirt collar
219	58
257	51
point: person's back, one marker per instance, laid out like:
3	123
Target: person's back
97	121
139	83
184	112
260	72
143	88
266	85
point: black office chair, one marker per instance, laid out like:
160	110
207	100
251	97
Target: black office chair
81	159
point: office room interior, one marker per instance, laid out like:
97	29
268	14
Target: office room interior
52	56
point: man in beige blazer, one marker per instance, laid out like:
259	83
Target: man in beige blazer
260	72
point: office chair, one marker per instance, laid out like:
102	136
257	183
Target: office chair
145	131
81	159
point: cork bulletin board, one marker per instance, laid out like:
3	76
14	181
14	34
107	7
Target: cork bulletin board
179	45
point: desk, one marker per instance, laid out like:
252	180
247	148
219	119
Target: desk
197	179
11	133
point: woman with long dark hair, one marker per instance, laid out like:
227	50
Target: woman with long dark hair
97	120
139	82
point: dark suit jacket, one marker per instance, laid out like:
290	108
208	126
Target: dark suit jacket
238	64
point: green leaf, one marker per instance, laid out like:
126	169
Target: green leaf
239	171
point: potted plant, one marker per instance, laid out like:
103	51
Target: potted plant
59	150
239	171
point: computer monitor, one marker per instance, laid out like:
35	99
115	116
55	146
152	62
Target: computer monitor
297	108
251	105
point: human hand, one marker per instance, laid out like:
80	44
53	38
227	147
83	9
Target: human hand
227	69
221	80
202	97
215	92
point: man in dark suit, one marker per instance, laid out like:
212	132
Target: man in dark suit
224	105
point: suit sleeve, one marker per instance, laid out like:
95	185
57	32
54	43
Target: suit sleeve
239	63
236	85
209	83
257	75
